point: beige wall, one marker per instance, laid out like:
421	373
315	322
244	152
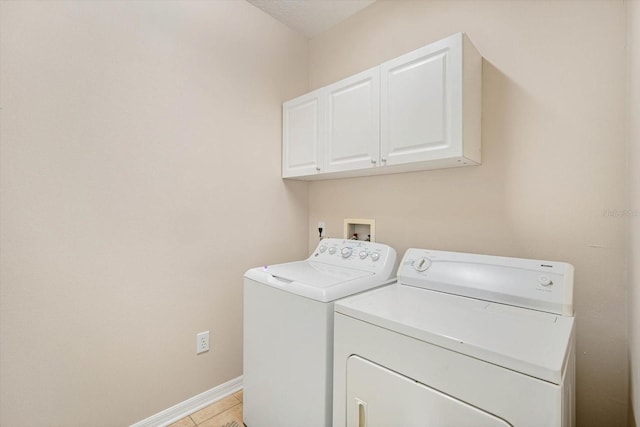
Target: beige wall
634	208
140	177
553	178
140	146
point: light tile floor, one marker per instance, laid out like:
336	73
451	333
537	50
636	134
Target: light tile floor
218	414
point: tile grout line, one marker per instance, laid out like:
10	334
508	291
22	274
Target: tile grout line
239	402
208	419
220	413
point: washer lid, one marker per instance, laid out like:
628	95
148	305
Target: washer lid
316	280
315	273
527	341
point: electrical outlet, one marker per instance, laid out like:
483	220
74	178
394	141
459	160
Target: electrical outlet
202	342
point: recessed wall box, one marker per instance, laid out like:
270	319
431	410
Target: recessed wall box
360	229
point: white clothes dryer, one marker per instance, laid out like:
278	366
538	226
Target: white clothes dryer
288	329
460	340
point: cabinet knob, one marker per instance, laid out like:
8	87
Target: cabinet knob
373	161
384	160
318	168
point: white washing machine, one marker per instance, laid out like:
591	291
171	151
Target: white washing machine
288	329
460	340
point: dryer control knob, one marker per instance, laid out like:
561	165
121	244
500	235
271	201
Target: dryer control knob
545	280
375	256
346	252
323	248
422	264
332	250
363	254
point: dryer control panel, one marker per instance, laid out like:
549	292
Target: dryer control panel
534	284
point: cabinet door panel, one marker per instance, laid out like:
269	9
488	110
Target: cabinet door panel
420	93
302	132
353	117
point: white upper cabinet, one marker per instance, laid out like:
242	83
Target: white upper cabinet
430	110
419	111
353	123
301	136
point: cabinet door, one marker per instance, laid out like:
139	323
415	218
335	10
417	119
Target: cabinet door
353	122
302	135
421	104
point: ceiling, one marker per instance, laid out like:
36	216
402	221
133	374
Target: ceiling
311	17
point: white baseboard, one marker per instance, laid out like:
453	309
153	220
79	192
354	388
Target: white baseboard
189	406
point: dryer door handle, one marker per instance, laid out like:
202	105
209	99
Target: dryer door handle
362	413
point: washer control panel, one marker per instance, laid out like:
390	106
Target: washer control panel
535	284
354	254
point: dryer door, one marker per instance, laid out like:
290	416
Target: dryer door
379	397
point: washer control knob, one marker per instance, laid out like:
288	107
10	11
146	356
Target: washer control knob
323	248
422	264
375	256
363	254
545	280
332	250
346	252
